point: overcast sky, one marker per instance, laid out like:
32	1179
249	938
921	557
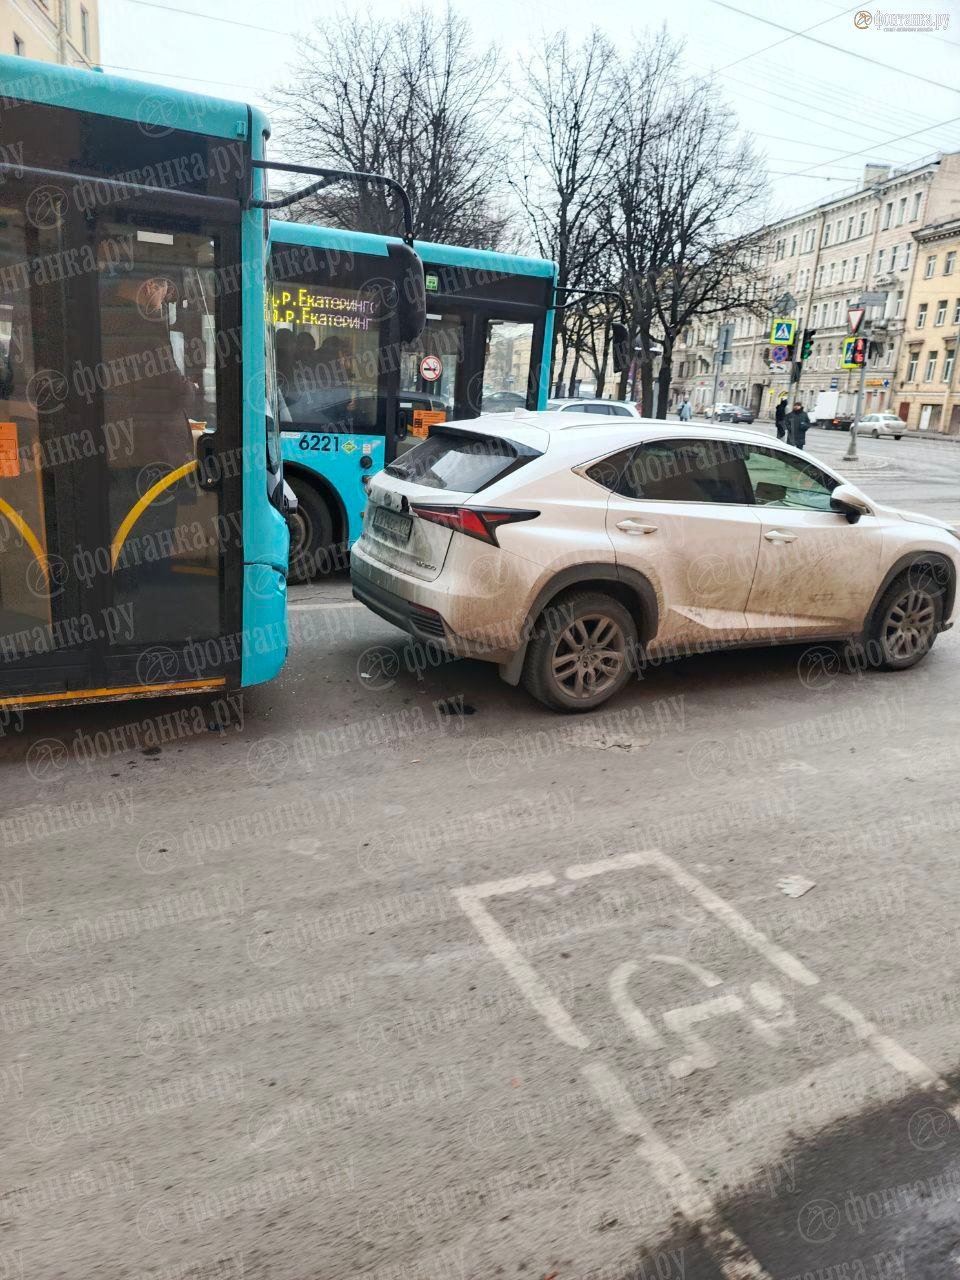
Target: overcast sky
807	105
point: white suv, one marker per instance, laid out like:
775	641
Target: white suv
569	550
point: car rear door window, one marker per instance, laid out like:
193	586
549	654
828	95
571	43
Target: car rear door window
687	471
780	480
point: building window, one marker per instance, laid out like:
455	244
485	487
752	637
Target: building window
948	360
863	224
850	227
912	366
843	270
949	262
901	211
820	275
930	266
808	240
917	201
887	214
893	258
831	272
906	256
19	48
826	235
941	315
921	315
793	246
956	312
880	256
85	31
66	15
836	312
855	272
931	368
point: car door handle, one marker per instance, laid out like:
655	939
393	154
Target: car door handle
777	535
636	526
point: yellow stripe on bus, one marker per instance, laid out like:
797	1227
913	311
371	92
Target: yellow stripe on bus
135	512
86	695
29	537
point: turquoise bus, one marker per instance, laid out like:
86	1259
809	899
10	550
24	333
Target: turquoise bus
143	534
352	397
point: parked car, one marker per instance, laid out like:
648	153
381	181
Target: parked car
881	424
504	401
728	413
568	550
607	408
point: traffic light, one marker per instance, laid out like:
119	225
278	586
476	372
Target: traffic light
858	351
806	346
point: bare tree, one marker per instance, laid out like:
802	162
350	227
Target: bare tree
566	136
410	98
686	184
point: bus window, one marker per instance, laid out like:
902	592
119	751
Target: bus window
429	369
158	339
506	369
328	342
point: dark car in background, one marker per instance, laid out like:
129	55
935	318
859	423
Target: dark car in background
735	413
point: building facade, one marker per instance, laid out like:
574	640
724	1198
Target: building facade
826	257
928	397
65	31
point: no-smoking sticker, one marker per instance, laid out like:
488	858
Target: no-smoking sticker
431	367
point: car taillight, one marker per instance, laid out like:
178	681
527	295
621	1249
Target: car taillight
475	522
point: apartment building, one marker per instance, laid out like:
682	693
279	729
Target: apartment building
927	394
65	31
827	257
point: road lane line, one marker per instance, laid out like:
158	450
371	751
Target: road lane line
787	964
734	1259
509	955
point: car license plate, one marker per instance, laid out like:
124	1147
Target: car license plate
393	523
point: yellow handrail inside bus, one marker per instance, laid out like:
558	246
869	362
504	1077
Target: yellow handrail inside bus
29	537
136	511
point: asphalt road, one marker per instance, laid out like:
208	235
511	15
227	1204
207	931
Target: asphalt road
401	976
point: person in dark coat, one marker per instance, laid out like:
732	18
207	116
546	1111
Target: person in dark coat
779	414
796	423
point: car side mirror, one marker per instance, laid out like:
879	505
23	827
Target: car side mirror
850	502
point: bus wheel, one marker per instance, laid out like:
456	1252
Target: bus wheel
311	532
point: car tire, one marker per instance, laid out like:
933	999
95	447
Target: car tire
898	437
553	671
311	532
906	621
875	433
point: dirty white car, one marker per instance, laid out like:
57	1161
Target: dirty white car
569	550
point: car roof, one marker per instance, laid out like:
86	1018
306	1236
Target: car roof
552	427
584	400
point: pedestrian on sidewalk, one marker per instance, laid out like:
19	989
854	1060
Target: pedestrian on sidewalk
779	415
686	413
797	424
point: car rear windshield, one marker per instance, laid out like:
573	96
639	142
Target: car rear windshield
463	463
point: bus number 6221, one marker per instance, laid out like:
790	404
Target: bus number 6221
320	444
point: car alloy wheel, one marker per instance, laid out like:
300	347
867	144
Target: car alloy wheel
909	626
589	656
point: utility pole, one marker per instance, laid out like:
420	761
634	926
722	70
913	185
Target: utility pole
860	340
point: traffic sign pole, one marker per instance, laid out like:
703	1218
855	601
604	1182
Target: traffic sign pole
851	454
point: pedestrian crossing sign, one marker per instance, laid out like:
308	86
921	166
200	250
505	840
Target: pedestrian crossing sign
782	332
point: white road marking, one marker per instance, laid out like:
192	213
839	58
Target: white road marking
890	1050
633	1017
738	924
522	972
735	1260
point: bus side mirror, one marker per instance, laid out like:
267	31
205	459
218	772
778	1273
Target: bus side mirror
411	293
620	336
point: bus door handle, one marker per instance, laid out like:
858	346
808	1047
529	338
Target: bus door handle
209	466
